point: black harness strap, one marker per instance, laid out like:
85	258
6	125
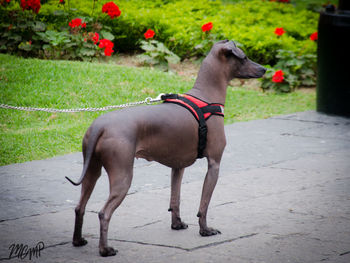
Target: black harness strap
199	116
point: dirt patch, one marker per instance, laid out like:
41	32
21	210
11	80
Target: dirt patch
127	60
307	90
188	70
251	84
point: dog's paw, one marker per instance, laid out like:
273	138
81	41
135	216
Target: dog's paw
179	225
108	251
80	242
208	232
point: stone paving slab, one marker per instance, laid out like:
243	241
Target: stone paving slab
283	196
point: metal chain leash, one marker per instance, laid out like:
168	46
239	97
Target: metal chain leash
148	101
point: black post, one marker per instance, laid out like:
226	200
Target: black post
333	60
344	5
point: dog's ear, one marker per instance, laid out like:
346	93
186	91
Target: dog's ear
230	48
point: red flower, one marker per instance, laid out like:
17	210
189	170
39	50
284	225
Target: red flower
278	76
31	4
62	2
107	45
83	25
75	22
149	34
207	27
279	31
314	36
111	9
108	52
95	38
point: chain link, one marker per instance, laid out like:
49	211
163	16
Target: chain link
148	101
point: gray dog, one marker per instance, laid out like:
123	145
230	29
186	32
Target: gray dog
172	135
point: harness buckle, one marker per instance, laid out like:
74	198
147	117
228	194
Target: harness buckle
222	109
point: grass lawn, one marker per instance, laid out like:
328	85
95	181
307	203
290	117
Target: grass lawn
26	136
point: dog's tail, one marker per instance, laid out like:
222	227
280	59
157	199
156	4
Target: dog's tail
93	138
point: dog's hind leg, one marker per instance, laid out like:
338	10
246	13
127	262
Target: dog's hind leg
176	178
119	185
88	184
119	167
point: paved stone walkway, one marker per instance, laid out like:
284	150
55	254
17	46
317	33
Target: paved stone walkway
283	196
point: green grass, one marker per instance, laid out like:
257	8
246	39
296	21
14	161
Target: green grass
26	136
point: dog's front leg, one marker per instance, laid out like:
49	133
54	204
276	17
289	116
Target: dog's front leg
176	178
208	188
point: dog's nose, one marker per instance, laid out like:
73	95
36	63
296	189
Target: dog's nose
262	71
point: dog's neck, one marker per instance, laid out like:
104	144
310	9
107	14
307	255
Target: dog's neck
211	83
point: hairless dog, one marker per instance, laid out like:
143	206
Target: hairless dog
166	133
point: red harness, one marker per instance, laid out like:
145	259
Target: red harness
201	110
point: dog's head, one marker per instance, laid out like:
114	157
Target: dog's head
234	62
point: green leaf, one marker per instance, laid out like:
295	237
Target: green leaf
161	48
59	13
153	54
89	45
25	46
121	37
38	26
107	35
42	35
87	52
148	47
199	46
15	37
70	44
284	87
173	59
147	59
107	28
309	72
267	84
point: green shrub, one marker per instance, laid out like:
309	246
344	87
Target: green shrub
156	54
50	37
298	70
178	24
17	32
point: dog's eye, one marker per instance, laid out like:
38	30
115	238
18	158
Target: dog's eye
241	60
229	54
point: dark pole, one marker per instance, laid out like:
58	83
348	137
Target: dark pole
333	60
344	5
